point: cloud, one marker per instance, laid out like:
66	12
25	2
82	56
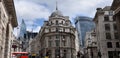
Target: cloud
82	7
68	7
74	7
30	10
34	29
37	29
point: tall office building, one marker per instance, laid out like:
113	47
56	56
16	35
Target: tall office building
22	31
83	24
22	35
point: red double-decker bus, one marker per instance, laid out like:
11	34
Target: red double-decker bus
20	55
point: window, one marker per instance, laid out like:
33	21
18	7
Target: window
110	54
51	22
107	27
89	39
57	43
49	30
117	45
109	44
116	36
57	30
111	13
63	29
57	36
63	36
115	26
64	42
49	37
62	22
113	54
64	53
106	18
49	43
57	53
108	36
56	22
67	23
114	19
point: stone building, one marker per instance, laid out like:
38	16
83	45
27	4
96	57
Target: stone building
32	46
8	21
90	45
22	36
57	37
15	45
116	8
30	37
106	33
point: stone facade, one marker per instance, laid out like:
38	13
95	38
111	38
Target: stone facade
90	45
106	33
56	38
7	23
116	8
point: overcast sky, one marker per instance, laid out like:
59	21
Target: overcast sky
34	12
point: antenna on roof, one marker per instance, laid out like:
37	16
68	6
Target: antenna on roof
56	5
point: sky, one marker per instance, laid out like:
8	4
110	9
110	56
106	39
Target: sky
35	12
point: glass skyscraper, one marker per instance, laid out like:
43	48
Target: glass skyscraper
22	31
83	24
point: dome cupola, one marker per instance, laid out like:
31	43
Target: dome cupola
56	12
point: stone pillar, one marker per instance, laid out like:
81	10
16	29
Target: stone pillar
118	24
68	53
53	53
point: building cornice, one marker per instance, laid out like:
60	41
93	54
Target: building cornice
115	4
117	11
9	5
97	14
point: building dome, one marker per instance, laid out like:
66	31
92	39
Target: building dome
56	13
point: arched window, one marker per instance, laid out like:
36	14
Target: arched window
61	22
56	22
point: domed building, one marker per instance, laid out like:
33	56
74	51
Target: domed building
57	37
56	13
